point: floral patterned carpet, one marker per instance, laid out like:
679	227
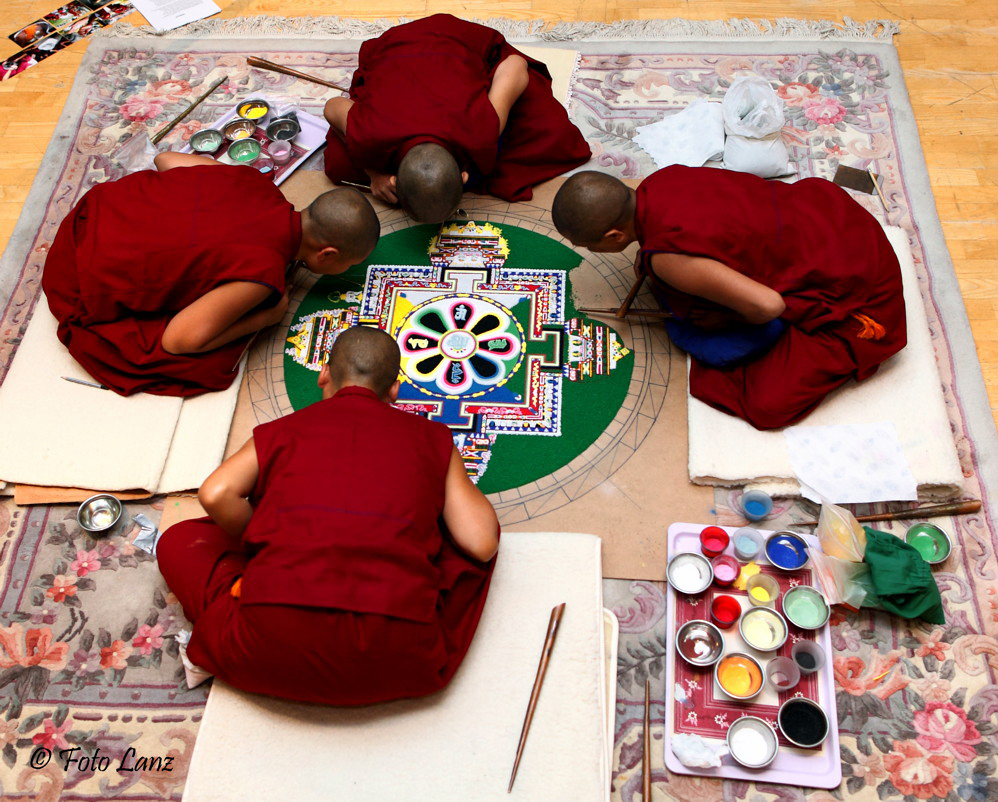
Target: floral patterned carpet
88	651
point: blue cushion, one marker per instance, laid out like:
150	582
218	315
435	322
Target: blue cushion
721	349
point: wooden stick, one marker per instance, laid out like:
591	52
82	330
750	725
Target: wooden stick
263	64
361	187
626	305
646	758
658	313
876	186
170	125
542	667
931	511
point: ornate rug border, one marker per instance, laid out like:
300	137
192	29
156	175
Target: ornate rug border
672	29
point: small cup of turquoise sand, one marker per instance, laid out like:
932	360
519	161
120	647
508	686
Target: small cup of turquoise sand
748	543
805	607
930	541
690	572
752	742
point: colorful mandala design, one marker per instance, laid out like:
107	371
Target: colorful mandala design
488	348
459	347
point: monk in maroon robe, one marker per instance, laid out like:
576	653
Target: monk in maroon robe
441	84
724	248
348	555
159	279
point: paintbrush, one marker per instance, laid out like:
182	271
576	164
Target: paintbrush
263	64
170	125
931	511
542	667
876	186
646	758
361	187
658	313
86	383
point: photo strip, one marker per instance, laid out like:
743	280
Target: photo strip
59	28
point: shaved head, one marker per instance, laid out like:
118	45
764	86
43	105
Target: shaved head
429	183
343	219
589	204
366	356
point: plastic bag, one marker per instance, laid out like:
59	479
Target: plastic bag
840	533
751	108
842	581
753	119
134	154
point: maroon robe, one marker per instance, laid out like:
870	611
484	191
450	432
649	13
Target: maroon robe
825	254
134	252
428	81
351	592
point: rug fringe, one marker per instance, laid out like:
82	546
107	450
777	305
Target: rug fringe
530	30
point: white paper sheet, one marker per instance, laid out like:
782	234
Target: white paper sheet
850	463
691	137
165	15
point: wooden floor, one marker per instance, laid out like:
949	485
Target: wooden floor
947	50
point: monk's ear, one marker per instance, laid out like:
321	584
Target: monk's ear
393	392
464	176
616	236
324	376
393	180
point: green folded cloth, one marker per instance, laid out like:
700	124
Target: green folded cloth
900	579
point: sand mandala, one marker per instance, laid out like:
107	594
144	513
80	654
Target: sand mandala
491	345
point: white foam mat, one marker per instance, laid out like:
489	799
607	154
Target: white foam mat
906	390
59	434
458	744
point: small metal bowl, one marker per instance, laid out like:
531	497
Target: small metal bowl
789	717
742	658
682	567
283	129
776	622
253	109
930	541
239	129
792	540
704	638
764	730
206	141
818	600
244	151
99	514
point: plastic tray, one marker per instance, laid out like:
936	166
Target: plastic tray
701	707
311	137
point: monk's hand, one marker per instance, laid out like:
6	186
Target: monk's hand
383	187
